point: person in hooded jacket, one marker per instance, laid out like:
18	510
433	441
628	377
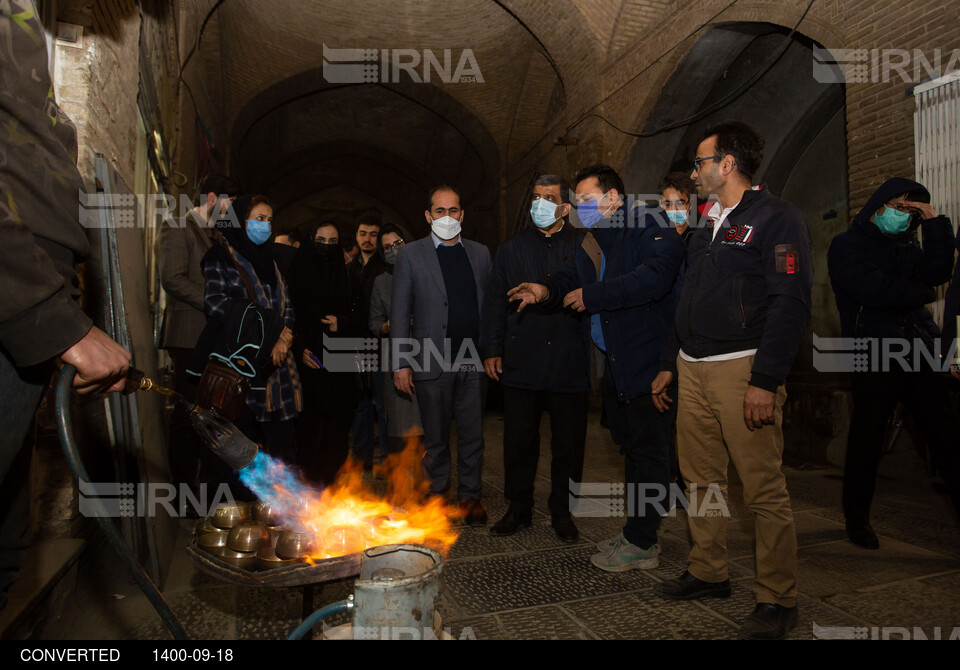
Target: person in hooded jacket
326	298
882	280
951	319
402	411
242	244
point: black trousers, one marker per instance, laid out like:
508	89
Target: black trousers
20	392
323	427
522	410
644	437
185	449
875	394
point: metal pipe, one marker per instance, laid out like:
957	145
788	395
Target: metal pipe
67	442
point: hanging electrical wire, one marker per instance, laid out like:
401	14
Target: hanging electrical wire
713	107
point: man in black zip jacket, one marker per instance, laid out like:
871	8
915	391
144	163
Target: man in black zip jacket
540	357
882	281
744	308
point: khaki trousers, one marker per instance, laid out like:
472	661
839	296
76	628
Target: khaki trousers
711	433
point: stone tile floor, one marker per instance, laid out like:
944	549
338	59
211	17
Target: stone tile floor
533	586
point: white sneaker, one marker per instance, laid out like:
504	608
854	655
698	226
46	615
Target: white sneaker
603	546
624	556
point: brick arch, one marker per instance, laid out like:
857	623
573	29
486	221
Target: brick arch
287	101
823	24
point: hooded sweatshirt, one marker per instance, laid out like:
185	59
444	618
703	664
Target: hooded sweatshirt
882	281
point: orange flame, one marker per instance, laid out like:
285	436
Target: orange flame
348	516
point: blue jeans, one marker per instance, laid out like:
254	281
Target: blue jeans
20	393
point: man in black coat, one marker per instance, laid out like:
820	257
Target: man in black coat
625	278
882	280
540	357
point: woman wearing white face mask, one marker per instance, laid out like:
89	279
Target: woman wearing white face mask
402	411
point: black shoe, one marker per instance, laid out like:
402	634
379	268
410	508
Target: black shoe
563	526
473	512
862	535
512	520
688	587
769	621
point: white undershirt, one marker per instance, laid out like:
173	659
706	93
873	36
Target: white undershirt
718	215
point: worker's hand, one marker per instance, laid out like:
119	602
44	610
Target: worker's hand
758	406
403	381
574	300
331	321
385	328
528	293
101	363
308	361
658	390
925	209
493	367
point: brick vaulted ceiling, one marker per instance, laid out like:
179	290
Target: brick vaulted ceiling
260	62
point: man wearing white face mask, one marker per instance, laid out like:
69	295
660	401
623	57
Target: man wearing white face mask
540	357
438	287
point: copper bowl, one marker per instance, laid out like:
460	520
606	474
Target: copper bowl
267	558
245	560
247	536
212	542
205	525
227	516
294	544
266	513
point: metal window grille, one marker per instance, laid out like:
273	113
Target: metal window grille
937	139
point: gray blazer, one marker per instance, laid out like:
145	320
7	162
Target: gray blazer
418	308
179	252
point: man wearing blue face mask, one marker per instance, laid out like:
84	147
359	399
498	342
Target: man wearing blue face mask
883	280
675	190
626	283
540	357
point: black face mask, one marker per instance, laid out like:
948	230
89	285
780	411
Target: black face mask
326	252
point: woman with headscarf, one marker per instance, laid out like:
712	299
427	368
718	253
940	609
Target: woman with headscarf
240	271
326	298
402	411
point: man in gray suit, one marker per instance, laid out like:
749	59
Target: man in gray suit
438	285
179	250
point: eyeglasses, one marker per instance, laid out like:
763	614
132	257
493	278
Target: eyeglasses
395	245
898	205
697	161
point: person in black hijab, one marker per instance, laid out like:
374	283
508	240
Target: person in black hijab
240	269
326	298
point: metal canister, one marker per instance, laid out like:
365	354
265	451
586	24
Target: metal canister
396	592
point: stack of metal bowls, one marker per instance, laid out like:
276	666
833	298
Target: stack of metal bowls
245	536
210	538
